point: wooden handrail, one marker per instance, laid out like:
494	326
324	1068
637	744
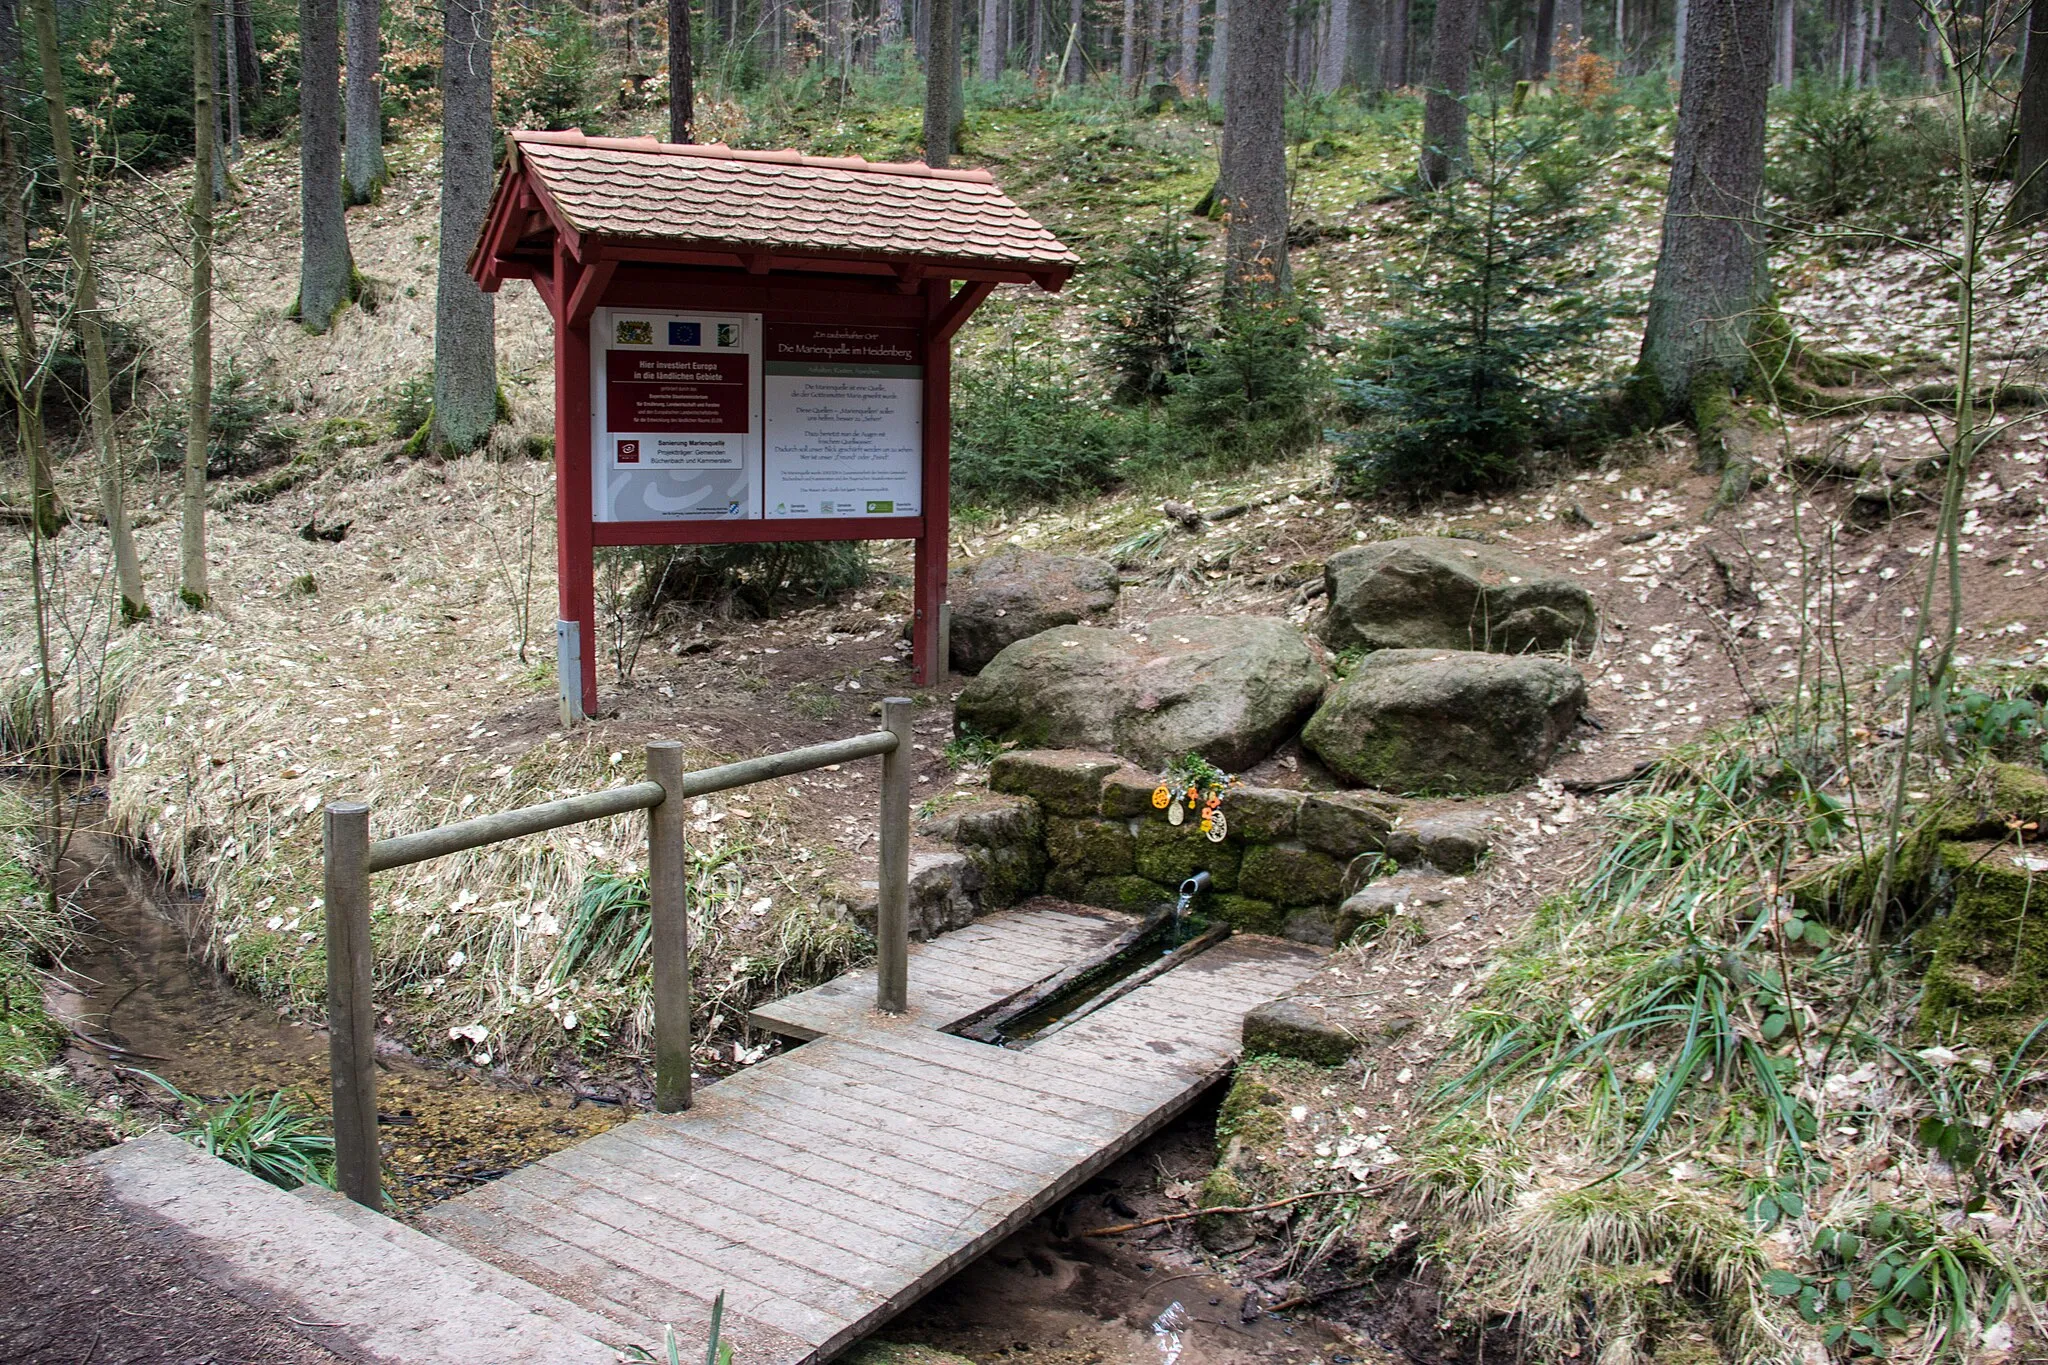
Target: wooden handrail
350	858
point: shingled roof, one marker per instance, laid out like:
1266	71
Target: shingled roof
714	198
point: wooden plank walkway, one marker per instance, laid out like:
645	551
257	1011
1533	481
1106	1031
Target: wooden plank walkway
830	1187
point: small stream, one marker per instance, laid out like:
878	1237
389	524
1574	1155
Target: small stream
138	1000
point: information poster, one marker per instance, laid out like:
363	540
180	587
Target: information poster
844	421
676	408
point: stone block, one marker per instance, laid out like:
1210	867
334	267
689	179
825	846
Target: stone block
986	819
1134	894
1450	841
1127	794
1244	914
1009	874
1316	924
1170	854
1090	846
1288	874
1289	1028
1261	815
1366	913
1346	824
1064	781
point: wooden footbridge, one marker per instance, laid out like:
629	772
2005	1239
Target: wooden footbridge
821	1192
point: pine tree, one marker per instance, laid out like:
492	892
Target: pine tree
1712	271
92	337
1450	75
327	272
1253	179
1469	376
192	575
363	171
682	95
465	337
2030	142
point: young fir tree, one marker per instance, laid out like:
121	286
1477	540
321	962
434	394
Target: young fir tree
1148	328
1464	382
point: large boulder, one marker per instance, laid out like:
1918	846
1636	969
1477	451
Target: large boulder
1013	594
1230	688
1430	592
1446	721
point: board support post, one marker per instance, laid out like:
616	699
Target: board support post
667	904
892	911
351	1010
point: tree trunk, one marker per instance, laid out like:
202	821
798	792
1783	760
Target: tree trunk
1394	52
1450	73
1569	27
1788	43
1035	61
1074	45
1540	50
233	71
1219	54
363	173
892	23
1859	33
465	340
248	61
1681	17
990	63
1190	70
2030	146
1253	181
192	584
327	273
45	510
941	82
682	99
1336	46
1127	70
1712	270
85	300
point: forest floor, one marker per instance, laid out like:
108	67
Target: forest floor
406	662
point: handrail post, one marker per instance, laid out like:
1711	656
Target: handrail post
351	1009
667	905
892	911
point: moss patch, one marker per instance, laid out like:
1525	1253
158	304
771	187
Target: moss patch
1170	854
1989	976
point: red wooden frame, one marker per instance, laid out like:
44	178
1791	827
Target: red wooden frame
575	274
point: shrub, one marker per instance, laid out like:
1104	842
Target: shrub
1859	157
548	71
761	579
1455	392
1147	329
1254	390
411	405
1022	433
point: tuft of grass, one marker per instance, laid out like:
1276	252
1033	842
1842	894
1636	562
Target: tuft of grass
266	1134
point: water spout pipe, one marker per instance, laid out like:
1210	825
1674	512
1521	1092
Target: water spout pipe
1193	887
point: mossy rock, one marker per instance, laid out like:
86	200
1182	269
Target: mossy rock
1170	854
1131	893
1127	792
2020	794
1288	875
1245	914
1988	980
1252	1110
1346	824
1008	874
1288	1028
987	819
1261	815
1089	846
1064	781
1840	893
1224	1232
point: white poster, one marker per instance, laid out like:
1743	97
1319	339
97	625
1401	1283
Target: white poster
843	409
676	415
